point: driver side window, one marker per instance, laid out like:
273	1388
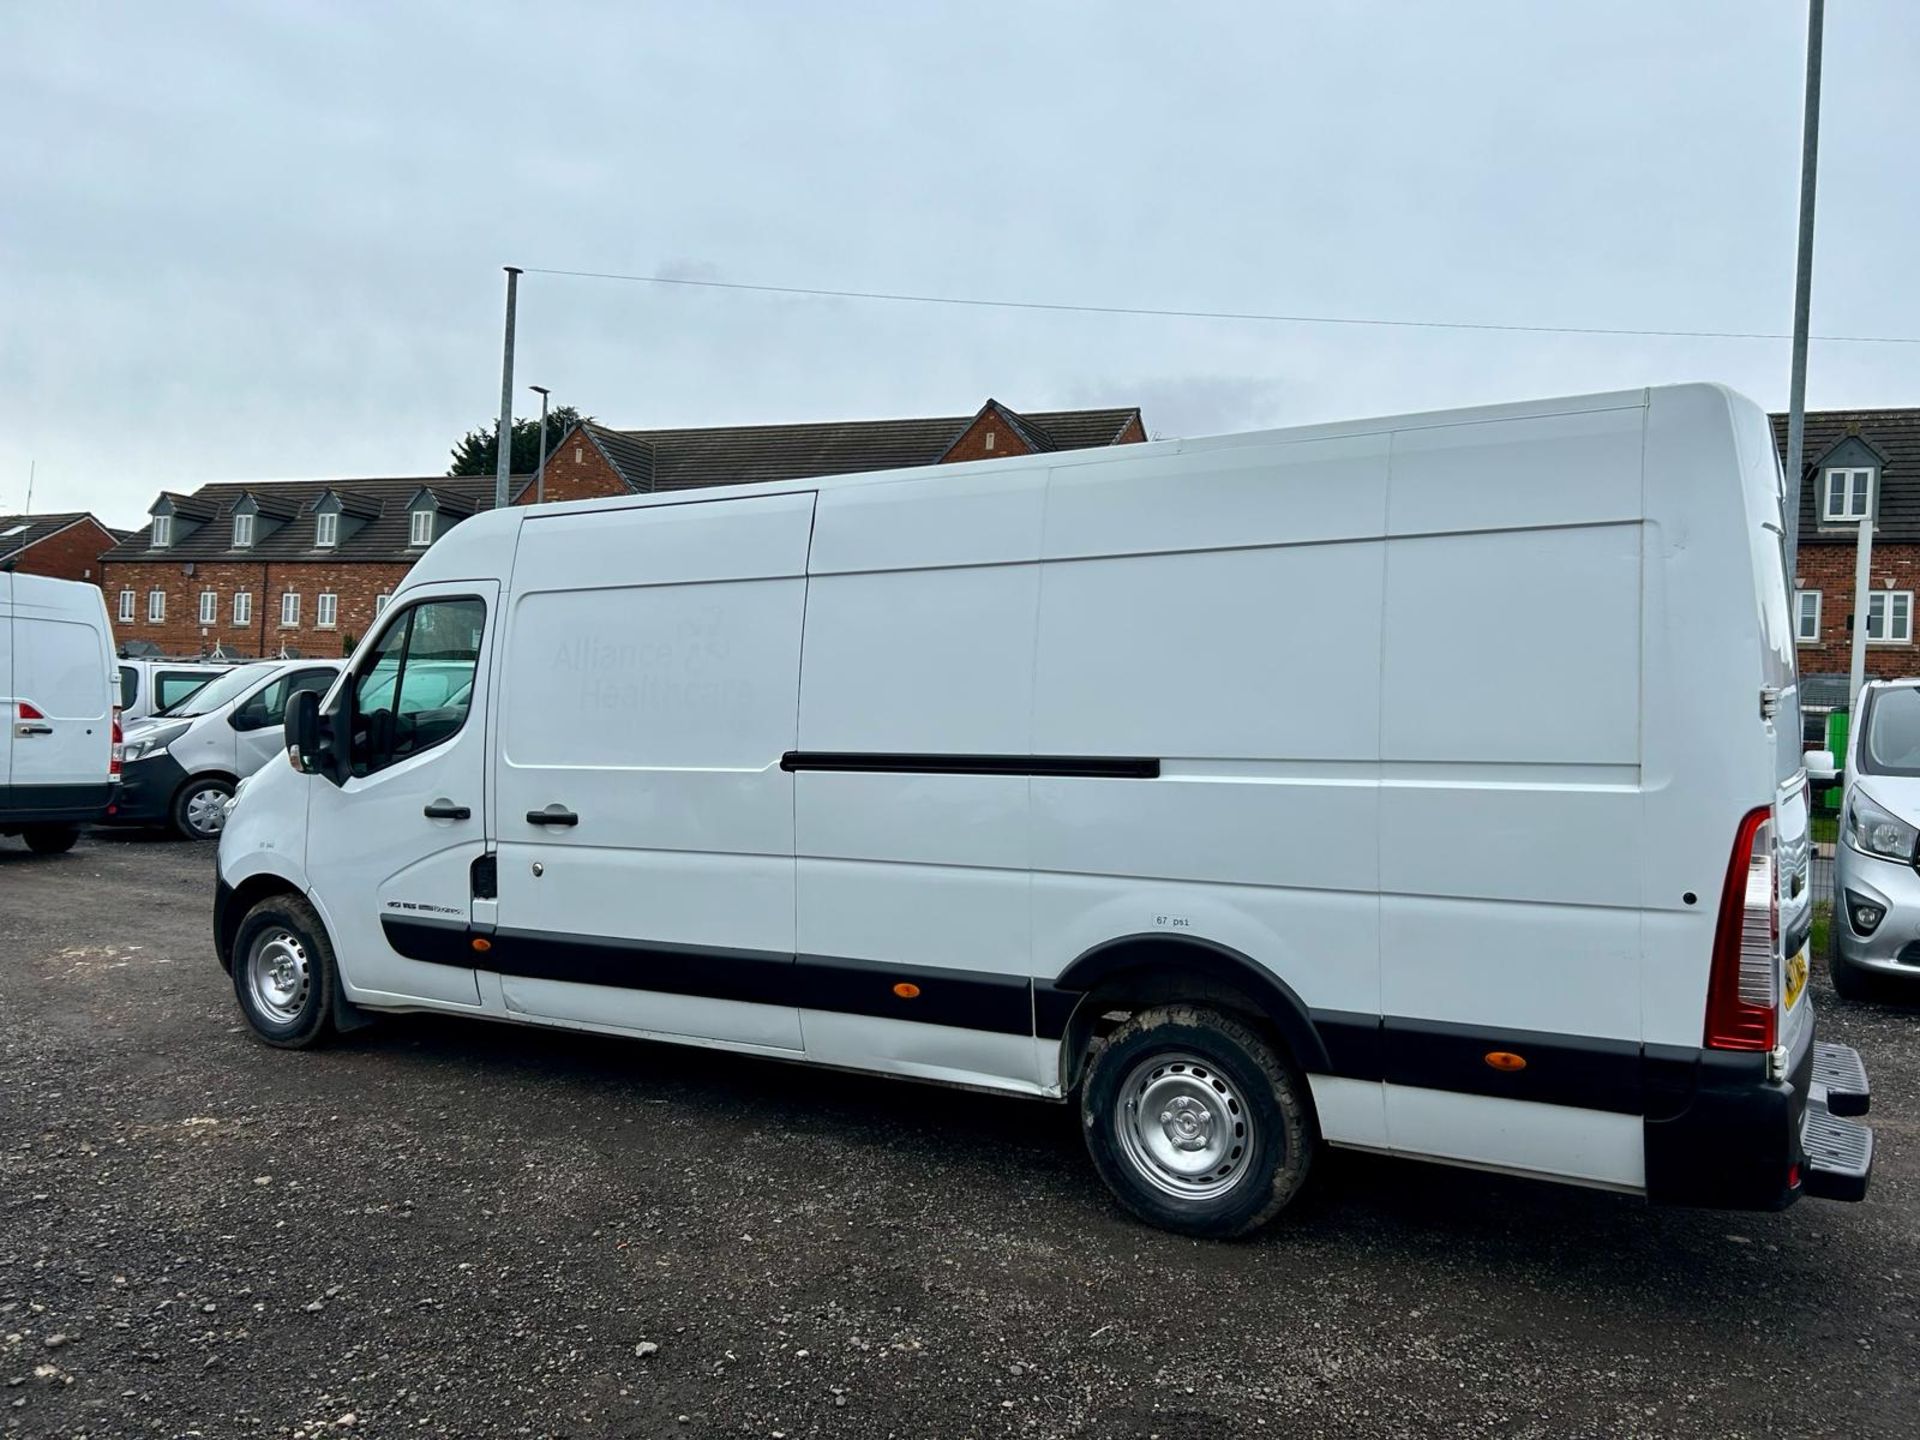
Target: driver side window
414	689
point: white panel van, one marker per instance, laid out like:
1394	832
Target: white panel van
59	753
1427	785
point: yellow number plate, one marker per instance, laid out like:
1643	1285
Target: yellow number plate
1796	977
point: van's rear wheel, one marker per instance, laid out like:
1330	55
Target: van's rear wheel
50	839
200	808
283	973
1196	1121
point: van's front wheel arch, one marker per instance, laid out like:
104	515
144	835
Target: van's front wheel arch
1197	1121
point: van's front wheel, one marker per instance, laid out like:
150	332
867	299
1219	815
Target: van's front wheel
1196	1122
283	973
200	808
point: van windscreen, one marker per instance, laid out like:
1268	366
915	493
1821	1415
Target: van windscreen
1890	738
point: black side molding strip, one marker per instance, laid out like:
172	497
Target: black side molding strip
1107	767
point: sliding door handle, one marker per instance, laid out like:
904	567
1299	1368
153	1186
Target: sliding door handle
552	815
447	810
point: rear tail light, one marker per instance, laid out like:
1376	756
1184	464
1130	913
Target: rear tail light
30	712
119	752
1743	991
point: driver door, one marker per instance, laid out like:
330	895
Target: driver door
390	850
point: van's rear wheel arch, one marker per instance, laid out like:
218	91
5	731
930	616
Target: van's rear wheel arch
1136	972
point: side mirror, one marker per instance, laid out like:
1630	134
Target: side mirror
303	732
1820	766
250	716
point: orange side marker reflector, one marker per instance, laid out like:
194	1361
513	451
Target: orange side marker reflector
1506	1060
482	944
906	990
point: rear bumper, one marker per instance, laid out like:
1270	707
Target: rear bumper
1720	1133
147	788
53	804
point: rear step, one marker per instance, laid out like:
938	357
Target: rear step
1839	1153
1839	1070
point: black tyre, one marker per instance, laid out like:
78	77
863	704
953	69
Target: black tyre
51	839
199	807
1850	982
283	973
1197	1122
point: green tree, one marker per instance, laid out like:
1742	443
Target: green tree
478	451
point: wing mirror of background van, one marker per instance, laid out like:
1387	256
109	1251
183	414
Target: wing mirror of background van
250	716
1820	767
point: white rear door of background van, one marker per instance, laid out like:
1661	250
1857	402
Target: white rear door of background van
61	668
6	688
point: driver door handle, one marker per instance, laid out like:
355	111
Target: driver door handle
552	815
447	810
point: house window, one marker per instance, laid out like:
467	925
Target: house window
380	602
126	604
156	606
162	531
1890	617
243	532
1806	616
422	532
1847	494
243	607
209	607
290	608
326	531
326	609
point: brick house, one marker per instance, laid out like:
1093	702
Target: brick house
1858	463
66	546
306	566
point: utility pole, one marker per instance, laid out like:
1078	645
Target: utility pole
1862	608
504	468
1803	300
540	465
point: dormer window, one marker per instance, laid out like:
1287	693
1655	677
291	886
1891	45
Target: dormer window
422	531
326	530
162	531
1846	494
243	532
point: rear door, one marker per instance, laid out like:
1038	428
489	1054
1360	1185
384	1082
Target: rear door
61	670
6	690
390	852
644	822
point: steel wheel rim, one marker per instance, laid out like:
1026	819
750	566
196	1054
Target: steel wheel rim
1184	1127
206	811
278	976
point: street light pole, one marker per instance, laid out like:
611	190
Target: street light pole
503	466
540	465
1803	288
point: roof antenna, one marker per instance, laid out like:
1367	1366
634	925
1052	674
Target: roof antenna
30	469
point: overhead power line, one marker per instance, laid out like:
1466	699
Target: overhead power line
981	302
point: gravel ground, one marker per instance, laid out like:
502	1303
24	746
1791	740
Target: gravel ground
447	1228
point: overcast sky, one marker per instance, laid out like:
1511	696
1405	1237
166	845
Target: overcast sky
256	241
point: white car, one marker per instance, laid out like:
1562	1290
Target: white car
1428	785
182	764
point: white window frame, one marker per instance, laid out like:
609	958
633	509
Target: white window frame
326	610
243	607
326	530
243	532
420	528
1903	634
128	601
289	609
209	607
1854	509
156	607
380	602
162	532
1803	633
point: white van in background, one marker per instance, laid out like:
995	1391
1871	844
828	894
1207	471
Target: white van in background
183	765
60	753
1428	785
148	687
